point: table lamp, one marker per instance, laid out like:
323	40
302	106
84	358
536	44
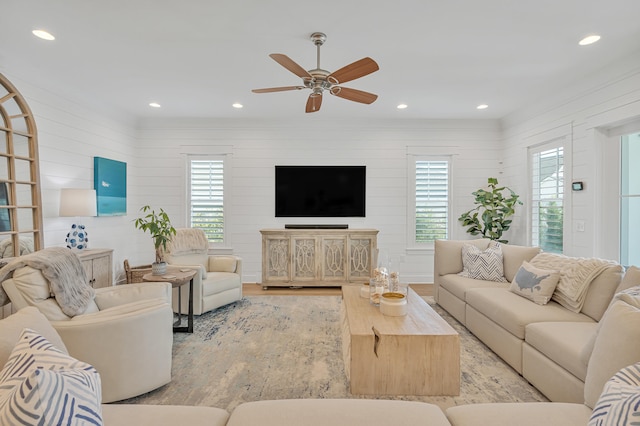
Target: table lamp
77	202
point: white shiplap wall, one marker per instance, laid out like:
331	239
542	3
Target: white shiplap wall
584	115
70	134
257	146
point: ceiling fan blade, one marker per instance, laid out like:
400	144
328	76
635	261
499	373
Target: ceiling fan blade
314	102
289	64
278	89
354	95
354	70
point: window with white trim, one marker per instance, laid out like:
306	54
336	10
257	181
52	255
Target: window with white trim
547	197
630	200
431	213
206	197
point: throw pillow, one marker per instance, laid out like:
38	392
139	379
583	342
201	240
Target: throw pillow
483	264
11	328
534	283
42	385
620	400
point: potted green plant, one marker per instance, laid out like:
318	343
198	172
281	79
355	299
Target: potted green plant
159	226
489	217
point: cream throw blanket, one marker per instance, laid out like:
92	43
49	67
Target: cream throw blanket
576	274
67	278
188	241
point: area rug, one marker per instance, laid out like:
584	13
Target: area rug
277	347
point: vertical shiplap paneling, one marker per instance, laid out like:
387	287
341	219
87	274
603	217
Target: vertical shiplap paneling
258	145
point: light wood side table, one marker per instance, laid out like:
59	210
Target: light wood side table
178	277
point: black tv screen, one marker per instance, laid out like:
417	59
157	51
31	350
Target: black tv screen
320	191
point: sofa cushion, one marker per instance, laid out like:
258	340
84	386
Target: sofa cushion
42	385
620	400
562	342
160	415
218	282
601	291
459	286
222	263
449	254
630	279
513	256
483	264
617	343
534	283
30	317
337	412
520	414
514	313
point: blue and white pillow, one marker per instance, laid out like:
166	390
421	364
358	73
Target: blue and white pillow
619	403
534	283
42	385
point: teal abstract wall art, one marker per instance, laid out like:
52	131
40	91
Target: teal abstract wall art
110	183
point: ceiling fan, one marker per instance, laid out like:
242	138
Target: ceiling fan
319	80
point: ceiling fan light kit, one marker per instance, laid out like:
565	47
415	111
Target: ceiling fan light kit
319	80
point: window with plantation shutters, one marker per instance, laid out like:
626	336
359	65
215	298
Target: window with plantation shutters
547	193
431	200
207	197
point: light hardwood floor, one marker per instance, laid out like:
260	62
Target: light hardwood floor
254	289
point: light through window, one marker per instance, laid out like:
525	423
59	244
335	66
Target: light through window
431	200
547	194
207	197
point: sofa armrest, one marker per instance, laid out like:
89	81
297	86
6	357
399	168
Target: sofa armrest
108	297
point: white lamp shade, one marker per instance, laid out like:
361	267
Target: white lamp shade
76	202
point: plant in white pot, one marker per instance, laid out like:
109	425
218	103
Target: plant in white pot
159	226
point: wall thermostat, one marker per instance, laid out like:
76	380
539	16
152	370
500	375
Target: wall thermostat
577	186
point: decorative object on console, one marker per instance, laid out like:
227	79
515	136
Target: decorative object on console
483	264
159	226
77	202
489	217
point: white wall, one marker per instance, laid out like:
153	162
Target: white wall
257	146
70	134
588	115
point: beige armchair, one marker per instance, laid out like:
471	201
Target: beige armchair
125	333
220	279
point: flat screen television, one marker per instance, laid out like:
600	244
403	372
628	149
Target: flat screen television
320	191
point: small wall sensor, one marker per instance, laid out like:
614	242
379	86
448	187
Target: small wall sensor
577	186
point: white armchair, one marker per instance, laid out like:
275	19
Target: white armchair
220	279
125	333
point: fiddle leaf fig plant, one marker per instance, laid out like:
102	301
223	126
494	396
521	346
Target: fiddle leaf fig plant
490	216
159	226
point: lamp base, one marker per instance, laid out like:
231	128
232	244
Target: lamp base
77	238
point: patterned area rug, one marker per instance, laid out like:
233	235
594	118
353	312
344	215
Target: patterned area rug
277	347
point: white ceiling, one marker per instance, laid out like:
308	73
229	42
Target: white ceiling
197	57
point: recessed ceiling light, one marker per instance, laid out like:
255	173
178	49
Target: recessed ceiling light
237	105
402	106
482	106
590	39
154	105
43	35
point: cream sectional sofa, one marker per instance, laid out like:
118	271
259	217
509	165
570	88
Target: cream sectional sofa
619	330
548	345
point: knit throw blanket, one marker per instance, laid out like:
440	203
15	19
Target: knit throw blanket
67	278
576	274
188	241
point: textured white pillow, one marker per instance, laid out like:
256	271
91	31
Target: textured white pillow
620	400
42	385
483	264
534	283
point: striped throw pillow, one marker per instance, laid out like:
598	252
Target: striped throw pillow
483	264
619	403
42	385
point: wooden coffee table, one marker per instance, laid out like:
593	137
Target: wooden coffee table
416	354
